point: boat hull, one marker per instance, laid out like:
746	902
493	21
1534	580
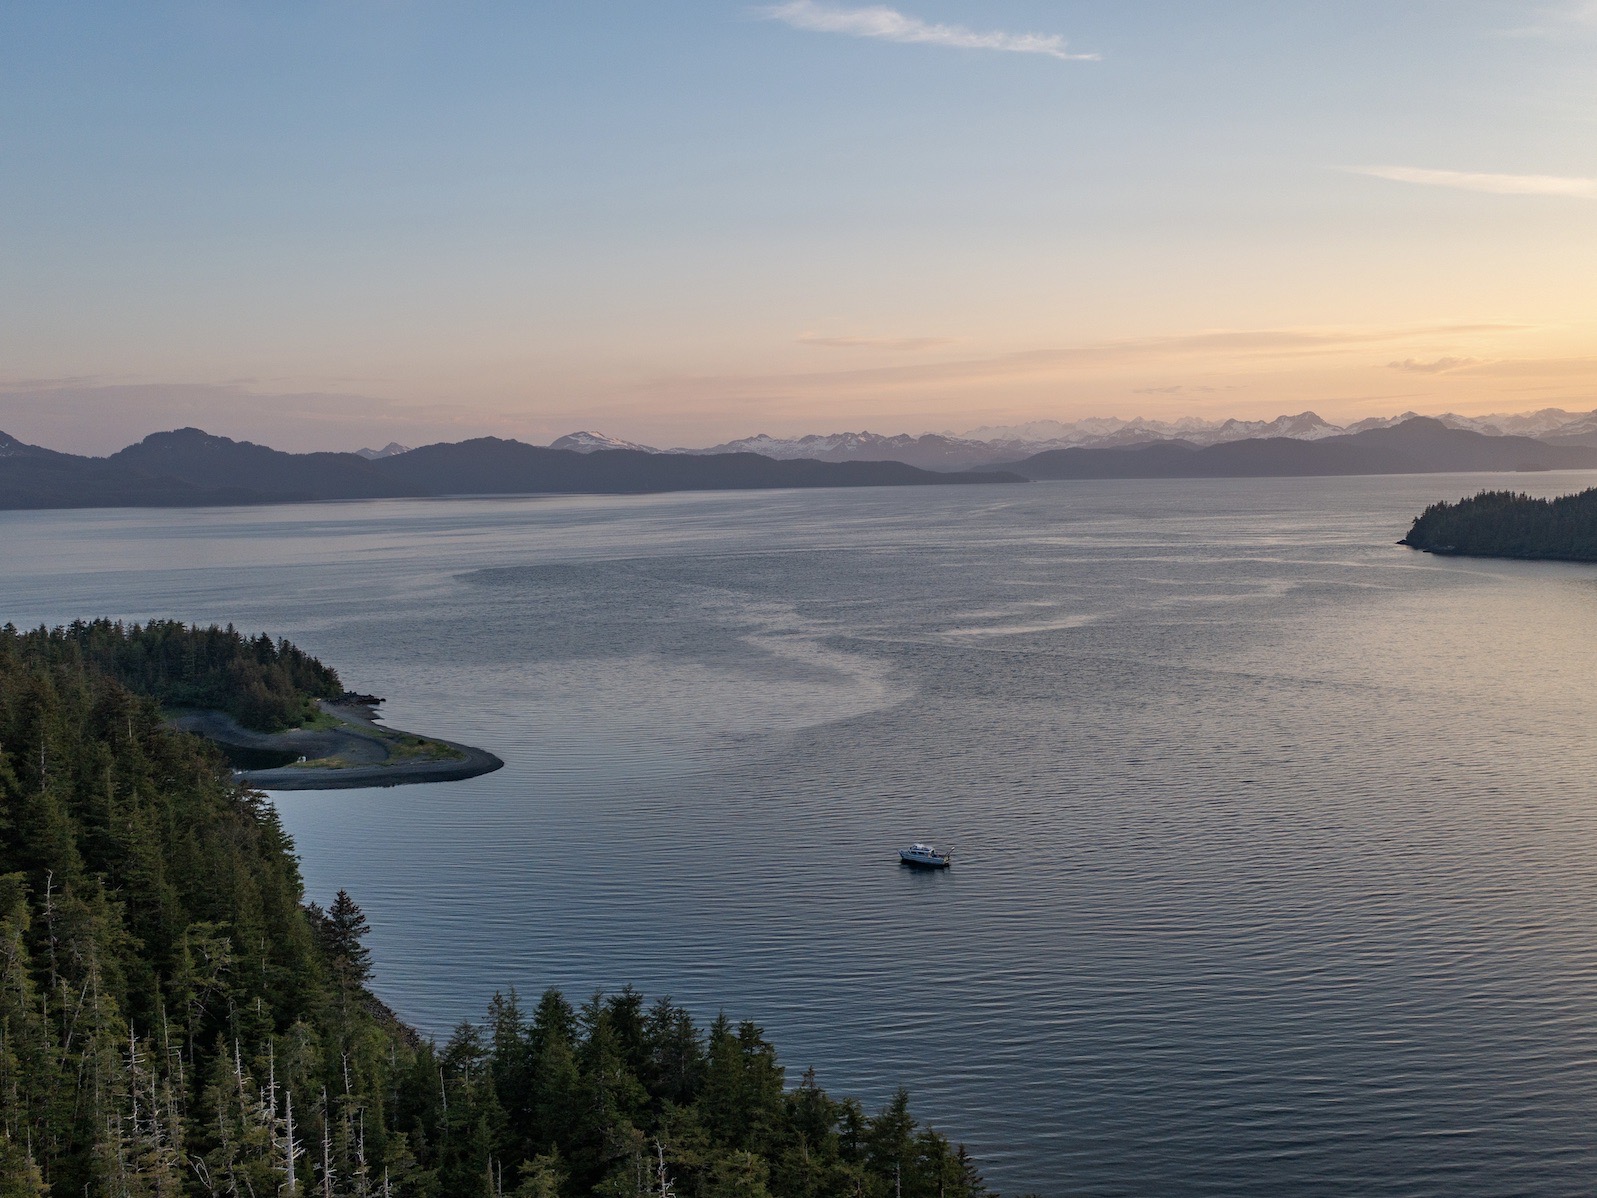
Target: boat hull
921	863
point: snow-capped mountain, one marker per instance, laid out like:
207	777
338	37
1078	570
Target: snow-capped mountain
1100	432
1094	428
930	451
985	446
392	450
993	444
588	442
1546	423
1528	424
1582	430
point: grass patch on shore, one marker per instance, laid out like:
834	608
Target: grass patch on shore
410	748
321	721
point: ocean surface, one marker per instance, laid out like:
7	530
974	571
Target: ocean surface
1275	843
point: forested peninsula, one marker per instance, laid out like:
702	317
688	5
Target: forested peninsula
1506	524
176	1019
283	719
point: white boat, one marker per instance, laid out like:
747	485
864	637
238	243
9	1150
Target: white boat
923	856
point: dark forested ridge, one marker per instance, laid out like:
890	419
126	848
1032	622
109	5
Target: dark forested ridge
1417	446
188	467
174	1020
1505	524
264	684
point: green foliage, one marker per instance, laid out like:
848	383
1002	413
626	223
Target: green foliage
1504	524
175	1020
341	929
263	684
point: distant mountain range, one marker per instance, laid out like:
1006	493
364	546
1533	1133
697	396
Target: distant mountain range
189	467
994	445
1421	445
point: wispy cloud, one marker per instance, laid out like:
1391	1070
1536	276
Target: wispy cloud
1548	368
1579	12
1238	349
1557	20
879	21
888	343
1508	185
1438	366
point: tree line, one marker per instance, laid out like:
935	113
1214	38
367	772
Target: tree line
175	1019
264	684
1506	524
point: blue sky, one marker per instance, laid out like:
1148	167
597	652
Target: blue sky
334	224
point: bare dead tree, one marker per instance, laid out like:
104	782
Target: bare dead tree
292	1149
327	1150
666	1189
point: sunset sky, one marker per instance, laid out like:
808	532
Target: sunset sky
328	225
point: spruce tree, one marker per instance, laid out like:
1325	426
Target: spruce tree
346	929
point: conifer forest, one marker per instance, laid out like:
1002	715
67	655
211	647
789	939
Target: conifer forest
1506	524
177	1019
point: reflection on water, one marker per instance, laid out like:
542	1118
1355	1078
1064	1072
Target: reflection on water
1276	854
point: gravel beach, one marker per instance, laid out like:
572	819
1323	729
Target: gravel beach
356	751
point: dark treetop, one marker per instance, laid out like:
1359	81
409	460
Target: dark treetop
1503	524
175	1020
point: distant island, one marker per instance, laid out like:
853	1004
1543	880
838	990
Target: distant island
281	718
189	468
1505	524
177	1019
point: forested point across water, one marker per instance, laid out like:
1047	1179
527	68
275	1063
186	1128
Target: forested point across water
264	684
175	1020
1506	524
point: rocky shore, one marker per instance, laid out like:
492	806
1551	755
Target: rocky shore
347	749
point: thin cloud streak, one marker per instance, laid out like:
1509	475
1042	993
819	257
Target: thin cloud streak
1558	20
1264	347
1507	185
880	343
1439	366
887	24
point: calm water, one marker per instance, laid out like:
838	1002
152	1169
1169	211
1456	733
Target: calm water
1276	844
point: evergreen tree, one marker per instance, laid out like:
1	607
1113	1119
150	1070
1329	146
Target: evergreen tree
346	928
176	1020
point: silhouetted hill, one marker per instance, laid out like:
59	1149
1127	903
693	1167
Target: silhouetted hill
1503	524
34	477
1417	446
192	456
1588	438
189	467
489	465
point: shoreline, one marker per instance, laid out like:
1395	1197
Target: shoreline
1487	555
354	752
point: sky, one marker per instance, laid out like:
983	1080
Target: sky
338	224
